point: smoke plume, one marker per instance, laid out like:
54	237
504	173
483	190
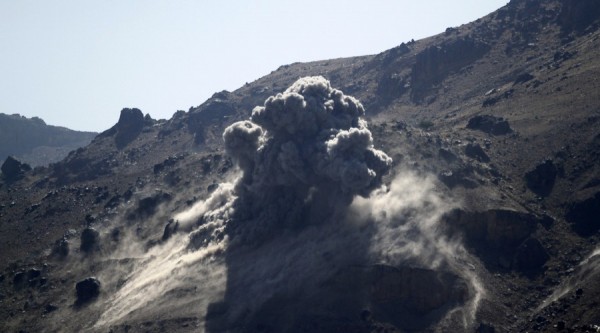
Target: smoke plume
308	205
304	155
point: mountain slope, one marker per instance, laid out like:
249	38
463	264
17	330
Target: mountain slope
36	143
493	125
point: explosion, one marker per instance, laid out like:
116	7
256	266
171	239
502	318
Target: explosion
304	155
308	214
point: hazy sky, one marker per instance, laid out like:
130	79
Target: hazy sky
77	63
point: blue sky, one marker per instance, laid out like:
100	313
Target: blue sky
77	63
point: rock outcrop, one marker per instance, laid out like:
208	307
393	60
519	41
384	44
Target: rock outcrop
90	240
495	235
130	125
87	290
541	179
489	124
435	63
13	169
584	214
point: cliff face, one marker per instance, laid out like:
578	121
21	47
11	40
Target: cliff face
36	143
501	114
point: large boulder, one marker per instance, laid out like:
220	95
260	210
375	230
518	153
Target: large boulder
87	290
90	240
61	247
530	256
13	169
474	150
584	214
541	179
489	124
148	206
496	234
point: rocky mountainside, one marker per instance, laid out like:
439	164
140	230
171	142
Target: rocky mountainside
487	221
35	143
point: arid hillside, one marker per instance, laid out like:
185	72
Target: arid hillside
487	221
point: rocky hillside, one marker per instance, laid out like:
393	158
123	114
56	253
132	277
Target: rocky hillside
488	221
32	141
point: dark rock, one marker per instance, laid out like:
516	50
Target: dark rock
87	290
170	161
113	202
211	188
89	218
404	298
130	125
33	273
115	234
489	124
457	177
61	247
475	151
50	308
547	221
447	155
391	85
541	179
560	56
365	315
79	167
576	16
494	234
523	78
531	256
493	100
102	196
223	94
170	229
435	63
19	279
408	297
90	240
32	208
13	169
212	112
147	206
560	325
485	328
583	214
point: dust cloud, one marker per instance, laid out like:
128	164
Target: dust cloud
310	202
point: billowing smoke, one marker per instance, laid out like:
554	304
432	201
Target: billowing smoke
304	155
309	213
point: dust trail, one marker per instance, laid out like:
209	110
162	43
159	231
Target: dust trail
587	268
158	276
408	216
